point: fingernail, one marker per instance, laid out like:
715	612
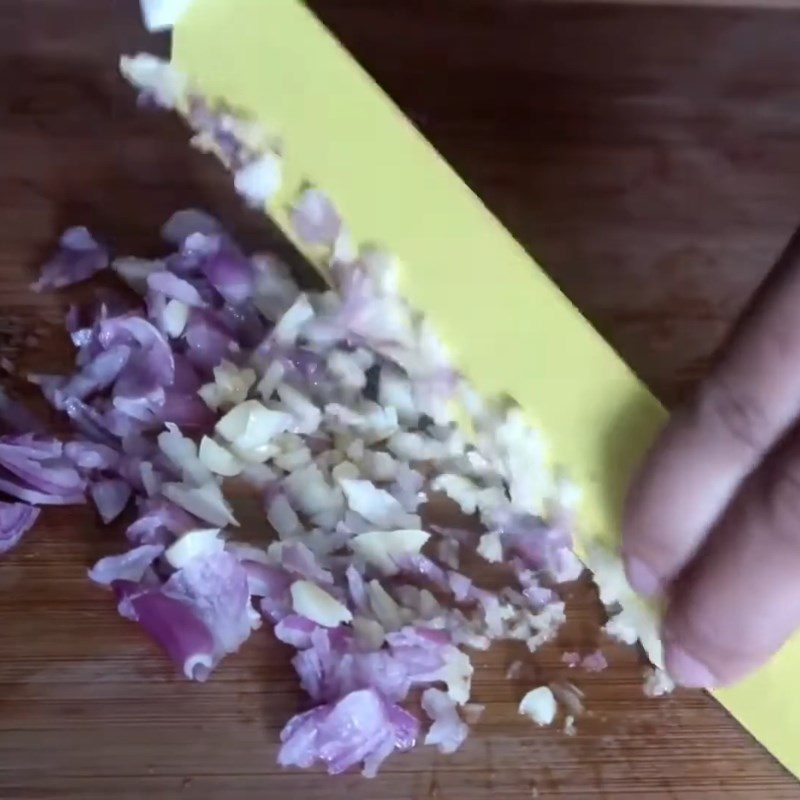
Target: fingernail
686	670
643	580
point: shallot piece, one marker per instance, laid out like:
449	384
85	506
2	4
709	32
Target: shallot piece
361	728
15	520
173	626
36	472
78	258
571	658
594	662
130	566
110	496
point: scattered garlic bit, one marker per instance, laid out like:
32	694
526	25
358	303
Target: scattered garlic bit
283	518
369	633
619	629
520	454
637	620
383	549
375	465
162	15
657	682
201	542
346	369
176	315
395	391
271	380
457	675
490	547
375	505
205	502
182	452
545	625
345	471
259	181
540	705
155	79
385	609
569	725
307	416
462	491
448	731
316	604
250	428
310	492
217	459
230	386
292	453
568	567
293	320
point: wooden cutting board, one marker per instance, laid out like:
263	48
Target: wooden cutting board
593	162
694	4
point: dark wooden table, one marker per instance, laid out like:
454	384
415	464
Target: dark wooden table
650	159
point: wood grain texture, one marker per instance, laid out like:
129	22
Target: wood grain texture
650	158
687	4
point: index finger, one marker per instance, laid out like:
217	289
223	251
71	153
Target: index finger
710	446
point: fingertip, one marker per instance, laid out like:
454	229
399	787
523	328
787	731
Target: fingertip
686	670
701	649
642	578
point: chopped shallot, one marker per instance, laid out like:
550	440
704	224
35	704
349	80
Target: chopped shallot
337	408
15	520
362	727
594	662
79	257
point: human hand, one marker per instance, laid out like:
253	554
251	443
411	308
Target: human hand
713	517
